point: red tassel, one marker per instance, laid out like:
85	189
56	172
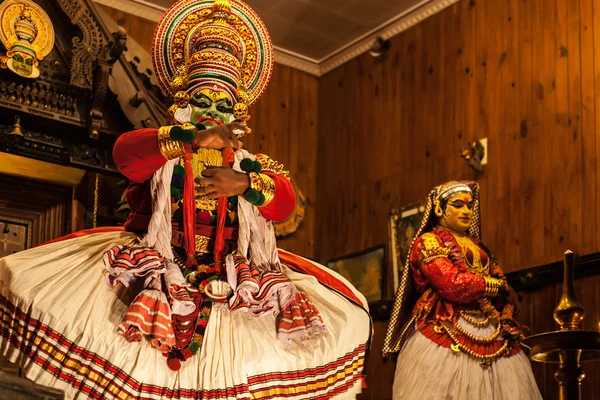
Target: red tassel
174	364
228	157
189	208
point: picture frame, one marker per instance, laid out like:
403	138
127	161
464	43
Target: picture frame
366	270
403	225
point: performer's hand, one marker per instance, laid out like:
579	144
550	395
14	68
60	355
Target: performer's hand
221	182
221	136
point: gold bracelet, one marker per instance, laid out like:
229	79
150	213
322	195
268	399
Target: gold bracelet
492	286
256	182
263	184
268	189
170	149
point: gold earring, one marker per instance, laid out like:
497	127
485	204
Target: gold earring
182	99
438	209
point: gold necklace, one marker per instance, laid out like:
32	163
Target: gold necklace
476	266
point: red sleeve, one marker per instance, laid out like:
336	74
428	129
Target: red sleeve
137	155
284	203
451	282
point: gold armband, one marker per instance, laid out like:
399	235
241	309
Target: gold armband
270	165
492	286
169	148
268	188
263	184
256	181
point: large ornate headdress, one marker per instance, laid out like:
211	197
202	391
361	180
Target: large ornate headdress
27	34
400	318
220	45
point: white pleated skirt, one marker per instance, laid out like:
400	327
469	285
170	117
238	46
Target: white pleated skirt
60	319
426	370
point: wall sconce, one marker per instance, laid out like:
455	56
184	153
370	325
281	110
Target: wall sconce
476	154
379	47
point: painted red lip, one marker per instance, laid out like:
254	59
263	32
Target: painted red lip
202	119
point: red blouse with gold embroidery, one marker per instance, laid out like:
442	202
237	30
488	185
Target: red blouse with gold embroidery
450	272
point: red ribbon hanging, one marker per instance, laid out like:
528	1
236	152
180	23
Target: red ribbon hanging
219	250
189	211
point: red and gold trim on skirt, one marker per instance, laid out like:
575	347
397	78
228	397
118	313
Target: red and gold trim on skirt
100	379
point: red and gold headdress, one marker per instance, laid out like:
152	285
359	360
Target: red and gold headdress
222	45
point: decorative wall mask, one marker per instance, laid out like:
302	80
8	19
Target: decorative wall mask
27	34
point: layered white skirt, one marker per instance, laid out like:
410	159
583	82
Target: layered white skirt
59	323
426	370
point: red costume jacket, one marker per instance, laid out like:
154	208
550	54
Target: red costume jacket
441	273
138	157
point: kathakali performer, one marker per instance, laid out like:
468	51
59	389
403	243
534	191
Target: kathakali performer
452	325
192	299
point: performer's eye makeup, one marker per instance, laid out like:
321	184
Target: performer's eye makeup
224	108
201	101
461	204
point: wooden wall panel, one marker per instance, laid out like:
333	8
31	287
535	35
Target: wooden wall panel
521	73
284	126
140	29
45	209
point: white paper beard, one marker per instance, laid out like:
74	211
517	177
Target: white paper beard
183	115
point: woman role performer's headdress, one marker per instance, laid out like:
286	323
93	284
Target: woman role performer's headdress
401	321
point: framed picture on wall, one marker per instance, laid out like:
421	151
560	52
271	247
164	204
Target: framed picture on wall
365	270
403	225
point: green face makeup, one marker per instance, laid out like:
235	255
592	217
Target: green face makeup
211	108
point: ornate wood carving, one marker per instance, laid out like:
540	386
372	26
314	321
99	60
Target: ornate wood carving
72	100
39	97
109	55
49	148
86	49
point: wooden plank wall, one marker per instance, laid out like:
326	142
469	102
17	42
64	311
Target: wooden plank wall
519	72
45	208
284	126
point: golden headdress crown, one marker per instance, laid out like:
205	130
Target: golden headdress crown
220	44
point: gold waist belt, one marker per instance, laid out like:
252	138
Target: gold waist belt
202	244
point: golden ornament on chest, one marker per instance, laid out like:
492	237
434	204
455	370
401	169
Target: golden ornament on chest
203	159
476	266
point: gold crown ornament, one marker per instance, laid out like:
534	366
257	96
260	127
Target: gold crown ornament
220	45
27	34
